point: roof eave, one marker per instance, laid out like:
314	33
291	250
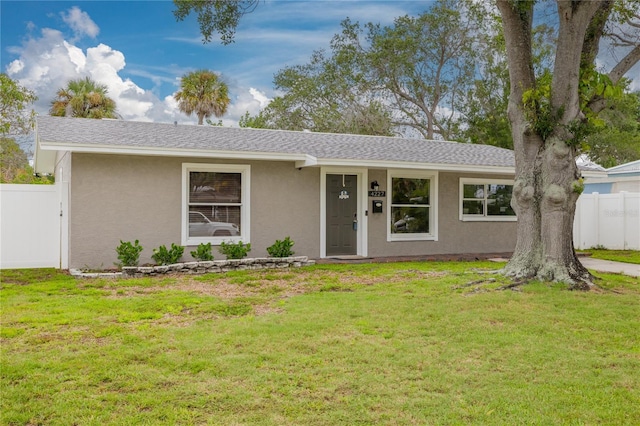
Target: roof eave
383	164
44	161
171	152
630	167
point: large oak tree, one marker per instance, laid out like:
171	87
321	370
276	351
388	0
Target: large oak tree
546	121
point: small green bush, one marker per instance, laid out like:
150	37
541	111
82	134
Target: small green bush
203	252
128	254
235	250
281	248
162	256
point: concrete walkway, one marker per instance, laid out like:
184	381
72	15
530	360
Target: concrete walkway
600	265
610	266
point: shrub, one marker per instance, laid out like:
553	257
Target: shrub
235	250
203	252
162	256
128	254
281	248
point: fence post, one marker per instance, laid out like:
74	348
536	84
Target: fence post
596	207
623	199
577	228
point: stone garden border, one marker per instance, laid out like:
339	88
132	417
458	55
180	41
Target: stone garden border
208	267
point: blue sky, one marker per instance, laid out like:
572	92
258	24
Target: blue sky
140	52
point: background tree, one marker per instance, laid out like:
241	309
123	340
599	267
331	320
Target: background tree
326	95
483	109
406	78
83	98
617	140
204	93
16	117
424	65
14	165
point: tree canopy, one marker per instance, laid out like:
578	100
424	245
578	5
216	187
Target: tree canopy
215	16
16	119
83	98
202	92
15	116
617	140
14	165
406	78
326	95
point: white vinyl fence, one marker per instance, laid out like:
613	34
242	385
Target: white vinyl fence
30	226
611	221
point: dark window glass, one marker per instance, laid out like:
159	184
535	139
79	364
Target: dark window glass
215	204
214	187
410	191
410	206
487	199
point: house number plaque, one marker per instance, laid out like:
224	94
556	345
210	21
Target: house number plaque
377	193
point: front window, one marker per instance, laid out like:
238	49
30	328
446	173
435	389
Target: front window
411	207
486	200
215	207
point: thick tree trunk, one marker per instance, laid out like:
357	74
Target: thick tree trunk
560	187
525	201
547	182
544	197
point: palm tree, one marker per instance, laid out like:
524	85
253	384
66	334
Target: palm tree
83	98
204	93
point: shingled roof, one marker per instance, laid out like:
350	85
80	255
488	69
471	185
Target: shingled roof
305	148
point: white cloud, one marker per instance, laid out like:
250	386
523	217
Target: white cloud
15	67
76	56
251	101
260	97
80	23
47	62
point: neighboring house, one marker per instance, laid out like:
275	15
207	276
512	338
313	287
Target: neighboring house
333	194
622	178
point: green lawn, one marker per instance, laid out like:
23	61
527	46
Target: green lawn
390	344
627	256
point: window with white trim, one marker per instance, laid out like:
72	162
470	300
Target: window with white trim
215	203
412	206
486	199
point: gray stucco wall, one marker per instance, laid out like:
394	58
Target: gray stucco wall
117	197
454	236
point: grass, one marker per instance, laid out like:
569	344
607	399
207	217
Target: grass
396	343
626	256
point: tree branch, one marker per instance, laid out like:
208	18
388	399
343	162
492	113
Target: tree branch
517	24
598	103
594	33
625	64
